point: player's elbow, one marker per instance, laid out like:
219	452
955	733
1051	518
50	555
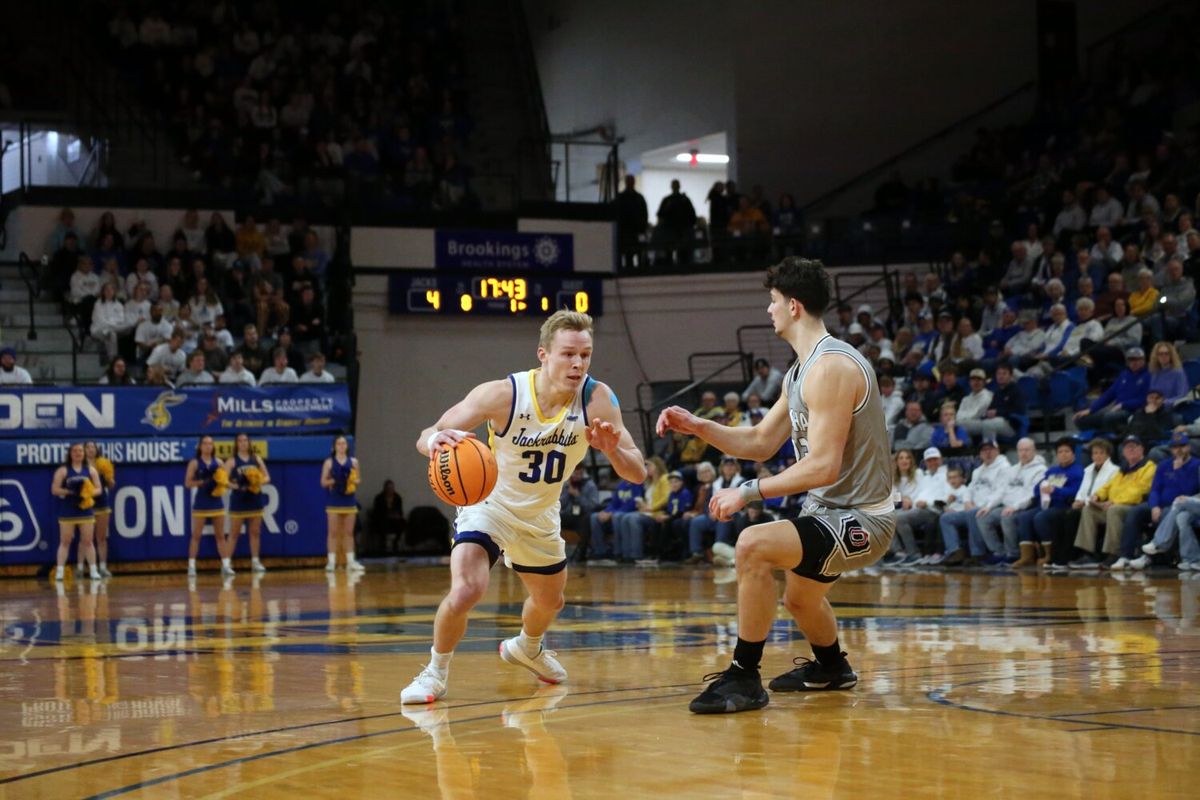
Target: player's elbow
829	468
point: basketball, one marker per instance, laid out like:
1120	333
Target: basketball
463	475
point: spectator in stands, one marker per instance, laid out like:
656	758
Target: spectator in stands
117	374
1053	494
893	403
1115	288
236	372
731	412
967	346
169	356
63	229
973	408
191	331
249	243
10	373
701	525
905	474
577	502
1178	296
193	234
767	382
998	338
1152	422
1166	373
1121	333
307	322
205	303
108	321
219	240
912	432
1087	329
254	355
195	374
137	307
1060	525
632	529
919	514
988	483
295	358
1106	212
1018	496
1019	272
84	289
1057	335
633	218
55	279
676	223
1140	201
316	370
1111	409
150	333
1024	347
1176	480
279	371
1109	505
622	502
157	376
949	435
1145	299
1072	217
992	312
749	225
271	310
216	357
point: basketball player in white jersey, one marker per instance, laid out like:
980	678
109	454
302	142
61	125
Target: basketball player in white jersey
540	424
831	408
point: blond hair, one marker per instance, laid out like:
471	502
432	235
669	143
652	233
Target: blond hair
563	321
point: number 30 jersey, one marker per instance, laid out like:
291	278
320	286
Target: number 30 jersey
535	453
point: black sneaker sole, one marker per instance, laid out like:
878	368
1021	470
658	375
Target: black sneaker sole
729	705
780	685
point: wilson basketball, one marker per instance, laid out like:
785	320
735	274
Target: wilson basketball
463	475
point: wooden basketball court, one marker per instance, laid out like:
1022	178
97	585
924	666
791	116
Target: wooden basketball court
971	685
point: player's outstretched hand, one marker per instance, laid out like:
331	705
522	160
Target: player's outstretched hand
674	418
447	439
602	435
724	504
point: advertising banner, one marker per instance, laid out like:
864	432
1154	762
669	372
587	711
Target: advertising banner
151	514
163	449
88	412
504	250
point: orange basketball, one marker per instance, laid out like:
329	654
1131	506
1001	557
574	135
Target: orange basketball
463	475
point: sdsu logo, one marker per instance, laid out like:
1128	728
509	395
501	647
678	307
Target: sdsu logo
157	415
18	525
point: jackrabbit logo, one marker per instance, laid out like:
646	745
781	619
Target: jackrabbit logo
157	414
19	528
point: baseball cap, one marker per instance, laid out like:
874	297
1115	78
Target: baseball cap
727	459
887	355
932	452
945	314
8	351
1135	352
855	328
988	442
1131	439
978	373
675	474
1179	439
865	308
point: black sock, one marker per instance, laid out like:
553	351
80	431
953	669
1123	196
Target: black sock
747	655
829	657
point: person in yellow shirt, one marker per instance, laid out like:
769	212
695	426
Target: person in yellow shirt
1110	503
251	244
1145	299
631	529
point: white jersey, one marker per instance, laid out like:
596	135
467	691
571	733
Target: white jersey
535	453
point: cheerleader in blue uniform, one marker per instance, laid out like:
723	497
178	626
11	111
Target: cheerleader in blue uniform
208	503
247	475
75	484
103	507
340	478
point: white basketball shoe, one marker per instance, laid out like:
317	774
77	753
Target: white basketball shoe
427	687
544	665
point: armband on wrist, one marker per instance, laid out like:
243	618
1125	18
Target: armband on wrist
432	436
750	491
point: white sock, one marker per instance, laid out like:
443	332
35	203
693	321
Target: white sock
60	571
255	560
333	558
530	645
103	565
225	562
440	661
191	563
349	556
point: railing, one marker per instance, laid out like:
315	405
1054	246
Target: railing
888	279
645	414
609	175
29	276
761	341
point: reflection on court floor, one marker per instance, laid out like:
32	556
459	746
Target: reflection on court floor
1080	686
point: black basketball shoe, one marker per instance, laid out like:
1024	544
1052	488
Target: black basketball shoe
735	689
810	676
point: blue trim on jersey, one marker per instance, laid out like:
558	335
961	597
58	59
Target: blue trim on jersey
483	540
553	569
589	386
512	407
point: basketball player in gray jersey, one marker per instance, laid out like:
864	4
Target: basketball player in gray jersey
832	410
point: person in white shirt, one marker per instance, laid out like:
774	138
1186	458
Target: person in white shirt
1106	212
205	304
137	307
236	373
967	345
1072	217
168	303
1029	341
195	374
1105	250
767	382
152	332
974	406
1060	525
988	482
85	283
893	402
933	488
279	372
222	334
10	373
141	274
108	320
1018	495
169	355
317	374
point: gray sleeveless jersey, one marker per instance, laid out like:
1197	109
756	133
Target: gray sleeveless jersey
865	479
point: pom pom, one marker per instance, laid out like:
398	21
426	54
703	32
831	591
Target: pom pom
352	481
254	479
87	494
106	470
220	482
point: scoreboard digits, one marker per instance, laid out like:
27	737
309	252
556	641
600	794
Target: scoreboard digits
428	292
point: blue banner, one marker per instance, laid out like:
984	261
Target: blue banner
163	449
79	412
151	514
504	250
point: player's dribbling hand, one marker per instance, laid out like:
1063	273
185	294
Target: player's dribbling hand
674	418
724	504
447	439
602	435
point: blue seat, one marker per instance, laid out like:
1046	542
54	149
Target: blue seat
1191	368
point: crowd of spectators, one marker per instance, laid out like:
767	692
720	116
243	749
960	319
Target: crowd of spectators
304	100
217	305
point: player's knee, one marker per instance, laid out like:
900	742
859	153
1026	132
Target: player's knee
751	548
793	605
550	602
463	598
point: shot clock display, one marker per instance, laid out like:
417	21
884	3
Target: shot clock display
436	292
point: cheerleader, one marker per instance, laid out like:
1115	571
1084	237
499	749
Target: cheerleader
210	480
340	479
248	474
75	485
103	507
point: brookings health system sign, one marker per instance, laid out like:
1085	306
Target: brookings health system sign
151	508
553	252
